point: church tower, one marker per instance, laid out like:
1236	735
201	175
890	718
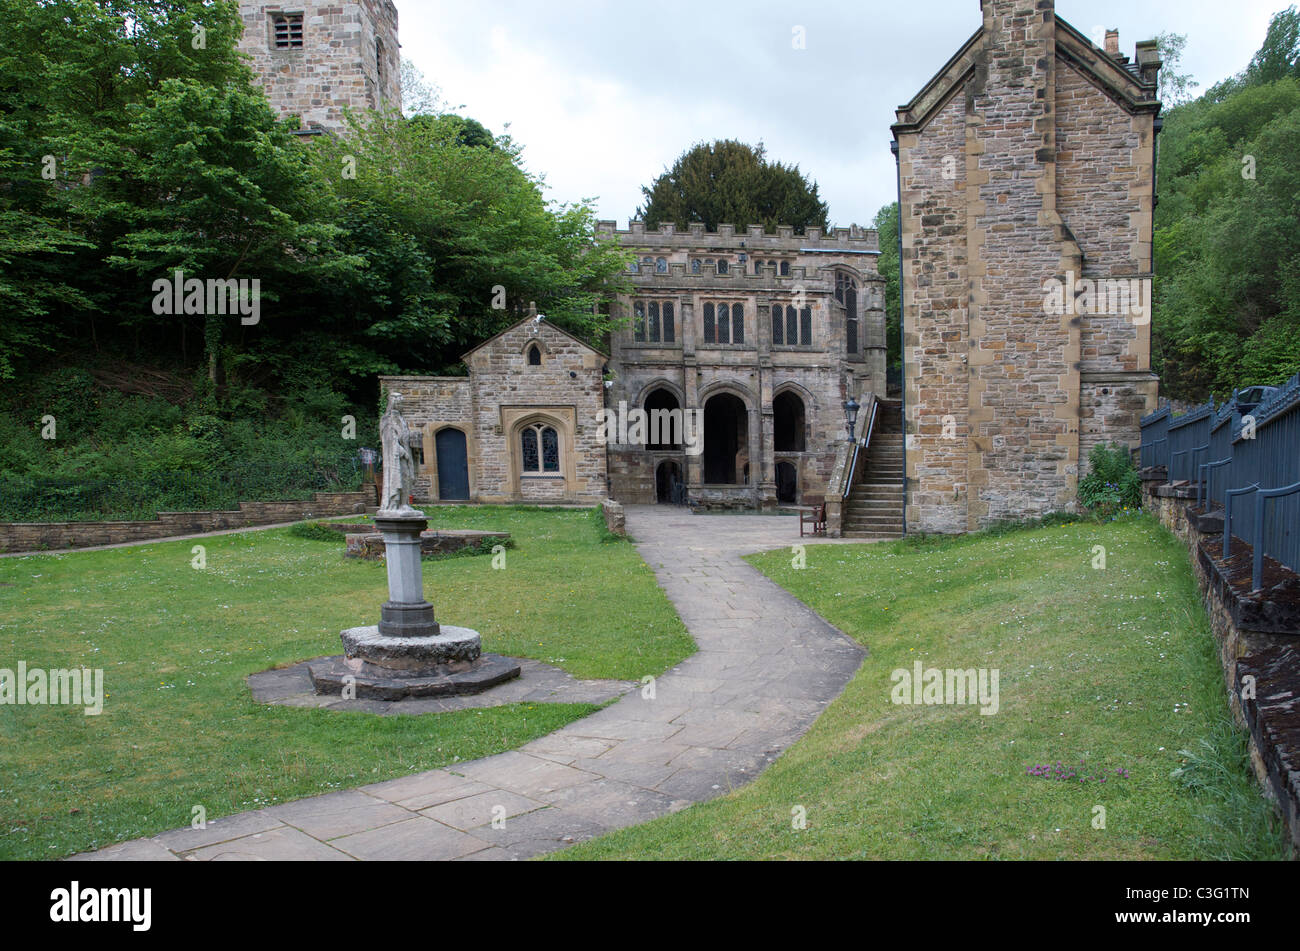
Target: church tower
316	58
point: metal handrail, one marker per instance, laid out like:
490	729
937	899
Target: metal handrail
1227	514
1203	482
858	447
1257	574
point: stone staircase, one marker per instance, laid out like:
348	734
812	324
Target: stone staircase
874	508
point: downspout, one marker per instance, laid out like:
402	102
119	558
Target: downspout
902	338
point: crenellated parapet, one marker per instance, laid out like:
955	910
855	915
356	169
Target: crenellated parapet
754	238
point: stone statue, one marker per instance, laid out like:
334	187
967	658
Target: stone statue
399	463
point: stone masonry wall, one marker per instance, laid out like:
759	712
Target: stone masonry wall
433	403
1027	160
566	390
350	57
51	536
935	319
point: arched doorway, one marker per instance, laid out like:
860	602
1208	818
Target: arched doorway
787	483
788	423
669	487
663	421
726	439
453	465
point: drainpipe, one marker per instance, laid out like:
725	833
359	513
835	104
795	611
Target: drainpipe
902	356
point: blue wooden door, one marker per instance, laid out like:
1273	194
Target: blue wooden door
453	465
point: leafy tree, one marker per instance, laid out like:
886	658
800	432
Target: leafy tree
886	224
729	181
419	96
1279	57
1226	246
458	240
1175	88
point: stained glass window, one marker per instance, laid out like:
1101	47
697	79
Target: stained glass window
550	450
722	265
695	266
530	449
661	265
654	320
638	322
724	324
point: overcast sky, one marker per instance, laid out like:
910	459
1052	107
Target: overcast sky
605	95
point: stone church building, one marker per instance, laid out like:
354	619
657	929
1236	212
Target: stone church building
1028	159
1026	163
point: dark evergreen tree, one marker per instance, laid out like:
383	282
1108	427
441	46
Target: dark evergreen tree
732	182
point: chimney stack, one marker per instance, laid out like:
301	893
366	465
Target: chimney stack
1112	42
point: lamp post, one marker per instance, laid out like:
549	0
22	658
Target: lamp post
851	416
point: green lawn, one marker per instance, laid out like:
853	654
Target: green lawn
179	728
1112	667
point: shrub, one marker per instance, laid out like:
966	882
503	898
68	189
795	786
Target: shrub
316	531
1112	483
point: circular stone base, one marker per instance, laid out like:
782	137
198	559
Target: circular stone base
399	655
332	675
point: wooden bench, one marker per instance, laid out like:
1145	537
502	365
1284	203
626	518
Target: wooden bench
814	516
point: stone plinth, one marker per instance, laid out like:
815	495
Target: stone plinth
408	654
405	614
451	645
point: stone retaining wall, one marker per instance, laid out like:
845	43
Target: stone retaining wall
615	518
53	536
1258	635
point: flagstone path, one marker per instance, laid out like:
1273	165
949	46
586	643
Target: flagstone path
766	667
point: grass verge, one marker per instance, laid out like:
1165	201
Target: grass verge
1109	671
175	642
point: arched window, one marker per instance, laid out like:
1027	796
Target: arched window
695	266
638	321
778	324
653	331
379	69
724	324
791	327
710	335
737	323
758	267
534	356
541	437
670	331
805	326
722	265
661	265
846	292
785	268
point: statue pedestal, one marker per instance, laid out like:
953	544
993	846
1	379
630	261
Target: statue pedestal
408	654
405	613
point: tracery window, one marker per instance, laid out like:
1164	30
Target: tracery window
791	326
540	445
654	322
846	292
724	323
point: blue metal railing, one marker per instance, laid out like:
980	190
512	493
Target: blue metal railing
1248	446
